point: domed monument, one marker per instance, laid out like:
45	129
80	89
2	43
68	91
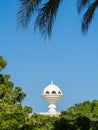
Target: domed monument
52	94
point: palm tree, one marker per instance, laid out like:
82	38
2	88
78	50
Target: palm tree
45	12
90	6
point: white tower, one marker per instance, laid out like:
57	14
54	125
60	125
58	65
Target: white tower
52	94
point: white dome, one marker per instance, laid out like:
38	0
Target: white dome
52	89
52	94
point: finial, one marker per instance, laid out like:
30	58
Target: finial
51	82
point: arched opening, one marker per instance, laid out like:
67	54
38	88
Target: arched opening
59	92
47	92
53	92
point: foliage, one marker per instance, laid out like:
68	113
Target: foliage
45	13
90	6
64	124
87	108
39	122
83	123
83	115
12	114
3	63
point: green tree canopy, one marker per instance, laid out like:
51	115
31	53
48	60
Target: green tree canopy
3	63
12	114
82	116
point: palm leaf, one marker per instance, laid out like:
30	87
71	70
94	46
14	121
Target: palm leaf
87	17
26	10
46	16
82	4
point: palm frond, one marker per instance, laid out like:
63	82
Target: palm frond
87	17
46	16
27	8
82	4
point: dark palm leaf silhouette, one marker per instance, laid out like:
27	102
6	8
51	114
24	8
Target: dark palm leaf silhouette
45	14
91	6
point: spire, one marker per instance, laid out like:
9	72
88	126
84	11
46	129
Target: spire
51	82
